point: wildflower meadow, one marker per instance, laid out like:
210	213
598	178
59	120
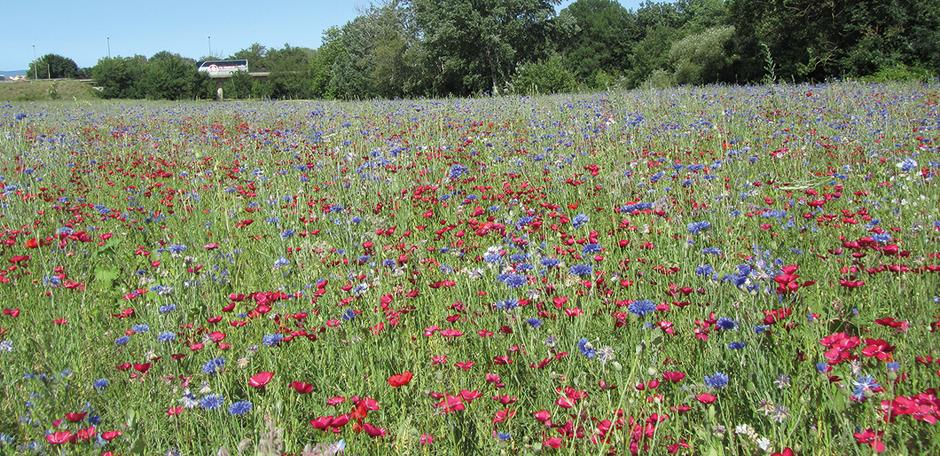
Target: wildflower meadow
694	271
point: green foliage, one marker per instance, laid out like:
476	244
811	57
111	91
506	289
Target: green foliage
648	55
604	32
434	48
544	76
52	66
900	72
473	47
170	76
812	40
238	86
119	77
701	57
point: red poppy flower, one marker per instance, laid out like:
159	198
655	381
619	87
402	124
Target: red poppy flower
260	379
399	380
60	437
706	398
301	387
74	417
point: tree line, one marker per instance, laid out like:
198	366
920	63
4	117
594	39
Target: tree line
434	48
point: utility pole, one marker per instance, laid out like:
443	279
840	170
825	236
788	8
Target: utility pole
109	47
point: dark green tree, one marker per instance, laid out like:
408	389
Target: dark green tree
120	77
473	46
172	77
52	66
603	37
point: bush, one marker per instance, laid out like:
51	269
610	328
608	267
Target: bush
545	76
900	72
700	57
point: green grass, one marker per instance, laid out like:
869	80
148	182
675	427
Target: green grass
40	90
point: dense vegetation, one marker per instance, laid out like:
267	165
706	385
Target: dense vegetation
464	47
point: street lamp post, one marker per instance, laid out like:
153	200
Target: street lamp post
109	47
36	64
210	45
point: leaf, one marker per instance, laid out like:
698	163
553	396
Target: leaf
106	277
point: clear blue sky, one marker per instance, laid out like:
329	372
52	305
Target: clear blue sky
79	29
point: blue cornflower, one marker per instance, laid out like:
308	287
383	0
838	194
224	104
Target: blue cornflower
907	164
167	308
492	257
736	345
281	262
101	384
726	323
512	280
213	365
579	220
140	328
718	380
862	385
704	270
697	227
166	336
121	340
882	238
177	249
590	248
641	307
893	366
586	348
239	408
211	402
550	262
507	304
504	436
534	322
711	251
581	270
272	340
456	171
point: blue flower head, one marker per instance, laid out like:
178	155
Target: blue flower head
641	307
272	340
726	323
586	348
213	366
581	270
697	227
211	401
718	380
239	408
101	384
579	220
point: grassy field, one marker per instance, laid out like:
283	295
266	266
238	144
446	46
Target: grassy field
716	271
63	89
